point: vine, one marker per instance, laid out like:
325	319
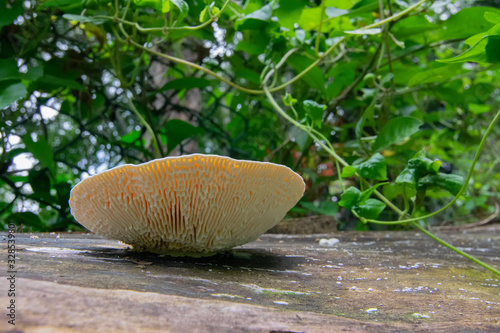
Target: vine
272	72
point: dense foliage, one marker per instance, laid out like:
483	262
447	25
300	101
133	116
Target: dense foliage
380	105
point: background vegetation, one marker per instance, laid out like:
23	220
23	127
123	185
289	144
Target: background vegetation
380	104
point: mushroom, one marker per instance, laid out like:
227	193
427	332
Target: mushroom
187	205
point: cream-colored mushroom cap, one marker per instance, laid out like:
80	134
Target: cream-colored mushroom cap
187	204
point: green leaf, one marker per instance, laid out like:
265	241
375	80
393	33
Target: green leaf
396	130
408	176
27	218
131	137
343	75
414	28
162	6
374	168
367	117
42	151
34	73
315	111
492	17
288	13
8	70
467	22
204	14
436	75
479	108
177	131
364	6
187	83
476	38
288	99
326	208
335	12
449	182
11	12
486	50
361	226
348	171
350	198
84	19
39	180
386	79
55	81
263	14
255	20
303	140
183	8
417	168
253	43
392	191
248	75
435	166
314	78
10	93
371	209
368	113
55	4
366	194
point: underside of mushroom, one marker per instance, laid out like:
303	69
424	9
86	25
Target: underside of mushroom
193	204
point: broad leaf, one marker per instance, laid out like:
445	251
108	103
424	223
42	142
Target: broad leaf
314	78
495	31
8	70
350	197
55	4
371	209
366	194
467	22
162	6
42	151
348	171
436	75
131	137
492	17
315	111
449	182
255	20
253	43
11	12
417	168
396	130
335	12
28	219
11	92
183	8
486	50
326	208
39	180
288	13
177	131
374	168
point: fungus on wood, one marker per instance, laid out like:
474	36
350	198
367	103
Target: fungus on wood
187	205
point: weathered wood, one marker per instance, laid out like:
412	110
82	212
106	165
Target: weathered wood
377	281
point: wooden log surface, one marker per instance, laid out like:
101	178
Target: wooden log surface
376	281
